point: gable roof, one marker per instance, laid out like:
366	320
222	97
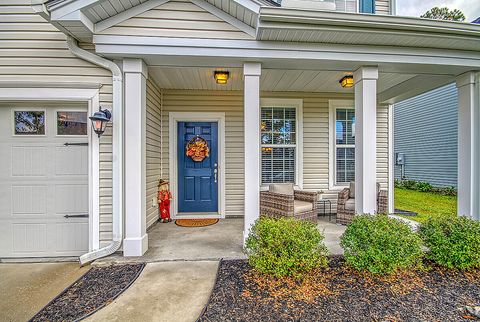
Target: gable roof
180	19
83	18
476	20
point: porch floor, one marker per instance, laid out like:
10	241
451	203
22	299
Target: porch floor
169	242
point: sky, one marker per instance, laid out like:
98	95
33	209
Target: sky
415	8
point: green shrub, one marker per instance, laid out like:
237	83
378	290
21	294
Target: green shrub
409	184
380	244
285	247
447	191
398	183
424	186
452	242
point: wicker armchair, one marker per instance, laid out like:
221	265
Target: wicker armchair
346	204
283	201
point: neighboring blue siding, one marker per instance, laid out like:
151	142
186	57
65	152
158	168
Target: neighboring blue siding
426	132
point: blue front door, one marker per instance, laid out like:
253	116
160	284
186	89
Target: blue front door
197	180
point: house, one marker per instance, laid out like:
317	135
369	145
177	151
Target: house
282	115
426	136
430	152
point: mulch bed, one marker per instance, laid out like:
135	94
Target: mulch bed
338	293
97	288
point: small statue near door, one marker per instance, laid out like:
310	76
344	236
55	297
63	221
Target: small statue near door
164	197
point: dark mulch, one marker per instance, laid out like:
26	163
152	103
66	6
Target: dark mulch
97	288
338	293
404	212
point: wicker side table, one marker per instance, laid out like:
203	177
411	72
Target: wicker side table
324	203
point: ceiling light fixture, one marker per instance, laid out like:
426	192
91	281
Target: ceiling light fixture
221	77
346	81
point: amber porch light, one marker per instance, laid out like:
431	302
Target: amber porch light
346	81
221	77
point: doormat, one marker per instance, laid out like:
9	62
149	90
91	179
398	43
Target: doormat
195	222
90	293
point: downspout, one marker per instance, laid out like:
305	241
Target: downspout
117	175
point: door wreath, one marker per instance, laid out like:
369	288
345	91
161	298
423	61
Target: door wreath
197	149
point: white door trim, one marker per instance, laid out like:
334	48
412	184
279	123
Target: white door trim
86	93
173	119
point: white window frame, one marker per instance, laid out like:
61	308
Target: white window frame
29	109
63	109
332	169
357	8
298	105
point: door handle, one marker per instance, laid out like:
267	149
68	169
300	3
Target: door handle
76	216
215	172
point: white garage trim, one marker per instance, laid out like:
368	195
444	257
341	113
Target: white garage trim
90	93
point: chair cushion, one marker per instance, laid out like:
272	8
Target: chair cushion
302	206
350	204
282	188
352	189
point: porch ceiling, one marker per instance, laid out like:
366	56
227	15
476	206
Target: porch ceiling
201	78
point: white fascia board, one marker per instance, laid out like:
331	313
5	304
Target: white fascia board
127	14
413	87
64	8
249	4
77	17
225	17
258	50
311	18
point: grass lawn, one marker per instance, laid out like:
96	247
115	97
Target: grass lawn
426	204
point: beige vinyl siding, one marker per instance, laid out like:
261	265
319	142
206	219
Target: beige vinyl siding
32	50
382	7
180	19
315	137
153	146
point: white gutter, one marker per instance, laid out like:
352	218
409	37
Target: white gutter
117	176
278	18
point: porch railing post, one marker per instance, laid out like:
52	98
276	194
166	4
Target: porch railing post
365	139
251	73
468	145
136	240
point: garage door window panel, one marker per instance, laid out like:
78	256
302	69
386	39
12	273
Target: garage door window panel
72	123
29	122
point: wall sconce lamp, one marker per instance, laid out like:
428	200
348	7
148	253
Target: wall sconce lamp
346	81
99	121
221	77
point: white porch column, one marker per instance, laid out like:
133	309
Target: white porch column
136	240
251	110
468	145
365	139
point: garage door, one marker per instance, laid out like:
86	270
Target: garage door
43	180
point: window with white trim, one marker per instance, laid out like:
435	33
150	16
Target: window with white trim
279	140
346	5
344	145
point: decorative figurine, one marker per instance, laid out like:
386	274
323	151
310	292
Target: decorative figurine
164	196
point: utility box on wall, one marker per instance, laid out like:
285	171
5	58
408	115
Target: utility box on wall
399	158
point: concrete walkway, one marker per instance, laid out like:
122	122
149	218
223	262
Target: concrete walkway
169	242
164	292
27	288
332	233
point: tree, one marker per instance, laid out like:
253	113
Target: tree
444	14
